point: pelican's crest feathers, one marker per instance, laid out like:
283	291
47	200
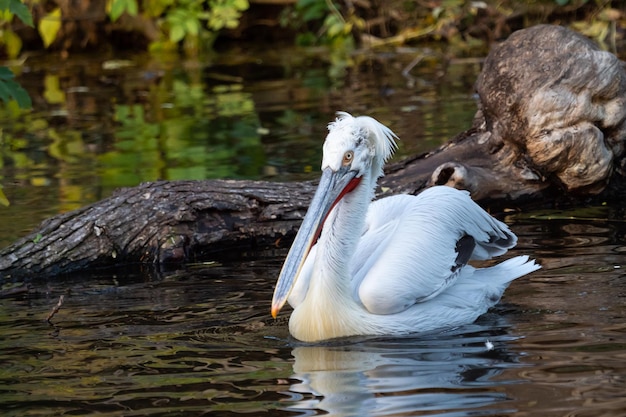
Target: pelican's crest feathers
380	137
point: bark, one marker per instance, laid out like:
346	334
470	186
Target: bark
551	122
161	222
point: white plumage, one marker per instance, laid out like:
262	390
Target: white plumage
394	266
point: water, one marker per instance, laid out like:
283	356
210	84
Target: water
200	340
101	122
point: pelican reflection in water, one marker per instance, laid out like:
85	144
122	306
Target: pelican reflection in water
394	266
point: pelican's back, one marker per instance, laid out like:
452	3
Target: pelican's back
415	247
456	208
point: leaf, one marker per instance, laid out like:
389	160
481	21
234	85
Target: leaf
20	95
132	8
10	89
3	199
12	43
6	74
49	26
192	27
52	90
4	92
241	4
177	33
333	25
20	10
117	9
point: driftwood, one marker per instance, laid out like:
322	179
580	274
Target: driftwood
551	121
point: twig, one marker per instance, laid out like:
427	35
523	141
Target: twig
55	309
406	72
333	9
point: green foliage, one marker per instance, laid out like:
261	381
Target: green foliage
179	20
186	20
10	89
225	13
17	8
321	22
8	10
117	7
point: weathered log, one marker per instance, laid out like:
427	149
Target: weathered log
161	222
552	113
551	121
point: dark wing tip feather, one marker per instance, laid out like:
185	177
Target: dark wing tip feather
464	250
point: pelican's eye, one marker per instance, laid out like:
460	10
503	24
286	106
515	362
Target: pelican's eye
347	158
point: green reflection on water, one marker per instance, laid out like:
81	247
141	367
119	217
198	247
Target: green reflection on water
198	135
256	115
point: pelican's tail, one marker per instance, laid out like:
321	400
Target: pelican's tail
513	268
482	288
474	292
496	278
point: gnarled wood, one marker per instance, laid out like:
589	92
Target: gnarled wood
551	121
160	222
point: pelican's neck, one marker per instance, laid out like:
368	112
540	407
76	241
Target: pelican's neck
329	288
329	309
342	232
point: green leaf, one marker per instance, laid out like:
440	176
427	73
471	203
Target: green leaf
6	74
20	95
117	9
12	43
10	89
3	199
177	33
241	4
132	8
192	27
52	90
5	95
20	10
49	26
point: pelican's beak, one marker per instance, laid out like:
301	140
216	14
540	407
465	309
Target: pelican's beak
332	187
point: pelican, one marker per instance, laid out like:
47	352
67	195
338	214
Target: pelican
394	266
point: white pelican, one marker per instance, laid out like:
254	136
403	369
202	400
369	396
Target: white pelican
394	266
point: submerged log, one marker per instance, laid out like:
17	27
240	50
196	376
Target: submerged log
551	121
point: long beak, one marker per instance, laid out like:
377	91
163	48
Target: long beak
332	187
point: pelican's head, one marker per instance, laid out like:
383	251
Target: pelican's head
361	144
355	148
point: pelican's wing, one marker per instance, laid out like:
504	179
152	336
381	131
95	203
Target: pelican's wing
414	247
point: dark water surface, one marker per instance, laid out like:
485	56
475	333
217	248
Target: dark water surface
200	341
